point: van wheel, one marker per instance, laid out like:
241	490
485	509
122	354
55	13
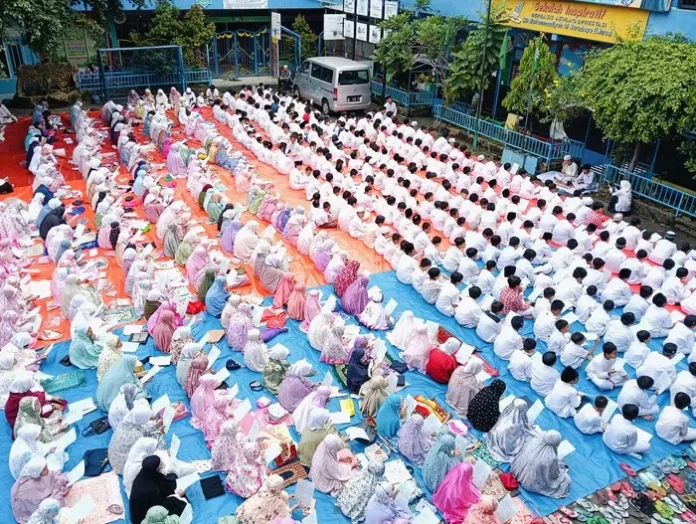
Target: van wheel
297	93
325	106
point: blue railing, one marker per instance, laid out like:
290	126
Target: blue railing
404	98
679	200
495	132
130	80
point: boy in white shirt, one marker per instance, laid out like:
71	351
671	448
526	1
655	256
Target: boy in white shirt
638	350
449	295
520	365
543	304
490	324
639	304
673	424
468	311
454	255
619	331
601	369
564	399
636	392
544	375
509	340
621	436
685	383
589	418
485	279
574	354
586	304
599	319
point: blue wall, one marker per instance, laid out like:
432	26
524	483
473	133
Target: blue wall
675	21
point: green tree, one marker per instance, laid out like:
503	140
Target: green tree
464	77
42	22
168	29
408	39
536	76
641	92
396	49
196	34
309	38
435	39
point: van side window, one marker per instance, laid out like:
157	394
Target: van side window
304	68
322	73
350	78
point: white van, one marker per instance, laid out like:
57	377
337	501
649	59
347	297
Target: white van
336	84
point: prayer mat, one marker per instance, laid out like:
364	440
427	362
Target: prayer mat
442	336
341	370
121	315
63	381
481	452
291	473
105	492
431	406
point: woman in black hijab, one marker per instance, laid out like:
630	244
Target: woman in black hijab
114	234
53	219
358	368
484	408
152	488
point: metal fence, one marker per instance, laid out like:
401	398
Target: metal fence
547	151
404	98
680	201
130	80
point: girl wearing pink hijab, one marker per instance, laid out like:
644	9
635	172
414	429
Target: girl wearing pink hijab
456	494
198	260
227	446
157	315
296	303
282	292
328	472
312	308
248	472
152	208
164	330
194	374
202	400
214	418
483	512
417	349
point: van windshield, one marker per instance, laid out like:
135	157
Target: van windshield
350	78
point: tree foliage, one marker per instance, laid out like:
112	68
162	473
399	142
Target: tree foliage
407	39
309	38
395	51
168	28
537	75
103	10
641	92
42	22
464	75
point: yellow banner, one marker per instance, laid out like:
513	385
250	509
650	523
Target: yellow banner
588	21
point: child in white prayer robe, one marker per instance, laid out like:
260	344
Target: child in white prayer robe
520	365
574	353
599	319
638	351
490	324
586	305
656	364
636	392
601	369
621	435
564	400
682	334
544	375
589	418
638	304
673	424
685	383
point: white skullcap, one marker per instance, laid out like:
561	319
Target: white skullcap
451	140
618	217
587	201
480	158
54	203
567	157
